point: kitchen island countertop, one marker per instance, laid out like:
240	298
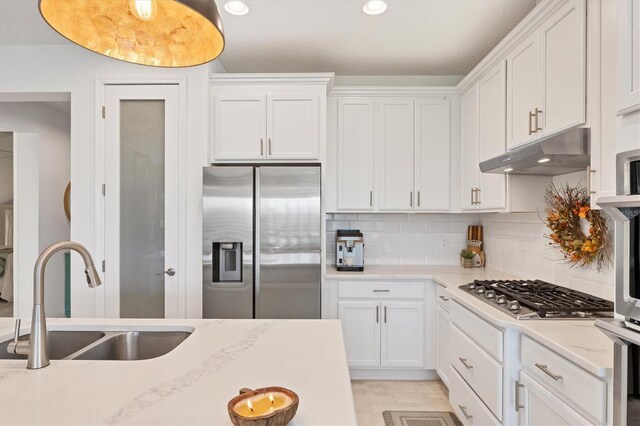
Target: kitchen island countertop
190	385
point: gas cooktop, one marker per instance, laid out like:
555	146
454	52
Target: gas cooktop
535	299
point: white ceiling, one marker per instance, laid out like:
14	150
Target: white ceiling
413	37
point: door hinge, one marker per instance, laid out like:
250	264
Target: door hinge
104	189
103	266
104	111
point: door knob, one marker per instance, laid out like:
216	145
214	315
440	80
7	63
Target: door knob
171	272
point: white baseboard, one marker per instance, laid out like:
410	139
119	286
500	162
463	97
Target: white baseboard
386	374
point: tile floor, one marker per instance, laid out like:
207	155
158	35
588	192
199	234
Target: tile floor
372	397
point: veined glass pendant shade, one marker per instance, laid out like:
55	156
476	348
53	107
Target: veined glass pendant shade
162	33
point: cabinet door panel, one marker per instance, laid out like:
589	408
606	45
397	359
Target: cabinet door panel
361	330
239	127
444	359
402	334
356	149
628	20
542	408
469	149
433	157
563	66
523	90
292	126
396	154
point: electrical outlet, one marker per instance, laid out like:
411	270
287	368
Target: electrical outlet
444	243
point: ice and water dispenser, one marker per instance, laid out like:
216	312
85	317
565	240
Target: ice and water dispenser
227	262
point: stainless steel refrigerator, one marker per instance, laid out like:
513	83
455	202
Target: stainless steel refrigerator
261	242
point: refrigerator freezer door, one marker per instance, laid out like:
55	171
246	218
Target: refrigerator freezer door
227	219
288	231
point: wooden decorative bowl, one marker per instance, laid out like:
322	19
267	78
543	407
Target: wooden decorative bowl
278	417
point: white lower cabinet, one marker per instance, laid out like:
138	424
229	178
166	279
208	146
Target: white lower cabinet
468	407
383	334
361	330
444	360
540	407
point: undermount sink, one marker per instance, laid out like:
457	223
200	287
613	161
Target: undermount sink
135	345
107	345
61	343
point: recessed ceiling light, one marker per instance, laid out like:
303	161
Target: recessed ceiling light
236	7
374	7
544	160
508	169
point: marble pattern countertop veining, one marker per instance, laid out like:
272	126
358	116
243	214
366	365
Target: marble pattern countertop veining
579	341
190	385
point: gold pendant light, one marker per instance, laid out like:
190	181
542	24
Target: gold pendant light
161	33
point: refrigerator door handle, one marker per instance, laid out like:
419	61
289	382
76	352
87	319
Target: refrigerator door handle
256	247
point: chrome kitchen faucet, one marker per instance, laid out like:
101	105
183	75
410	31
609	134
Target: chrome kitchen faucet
37	348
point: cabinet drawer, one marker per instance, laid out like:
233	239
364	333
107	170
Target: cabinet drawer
380	289
444	298
478	369
466	404
585	392
481	332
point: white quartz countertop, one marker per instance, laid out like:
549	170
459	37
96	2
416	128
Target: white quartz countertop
579	341
190	385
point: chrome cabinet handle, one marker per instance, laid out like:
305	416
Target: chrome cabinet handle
377	314
464	411
171	272
261	146
531	131
590	173
464	362
545	369
518	404
382	291
370	198
385	314
473	191
411	199
478	196
537	127
418	198
443	298
269	146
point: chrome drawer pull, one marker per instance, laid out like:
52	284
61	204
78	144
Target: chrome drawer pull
464	362
518	403
544	368
381	291
377	314
443	298
464	411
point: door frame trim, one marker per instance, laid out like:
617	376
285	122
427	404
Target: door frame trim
99	177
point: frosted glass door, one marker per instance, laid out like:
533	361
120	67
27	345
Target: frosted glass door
140	201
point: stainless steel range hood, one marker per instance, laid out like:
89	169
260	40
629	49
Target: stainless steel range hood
566	152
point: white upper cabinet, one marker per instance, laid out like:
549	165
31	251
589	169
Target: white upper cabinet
523	93
492	187
546	77
470	131
356	154
292	126
563	68
628	56
239	126
393	153
432	155
396	154
264	117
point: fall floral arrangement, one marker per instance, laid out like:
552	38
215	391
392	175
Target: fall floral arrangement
568	209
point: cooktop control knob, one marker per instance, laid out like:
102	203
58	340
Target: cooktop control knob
501	300
471	286
490	294
513	305
480	290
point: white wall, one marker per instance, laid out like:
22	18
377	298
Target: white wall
69	68
53	128
404	239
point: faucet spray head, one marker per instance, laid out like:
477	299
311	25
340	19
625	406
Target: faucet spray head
93	279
